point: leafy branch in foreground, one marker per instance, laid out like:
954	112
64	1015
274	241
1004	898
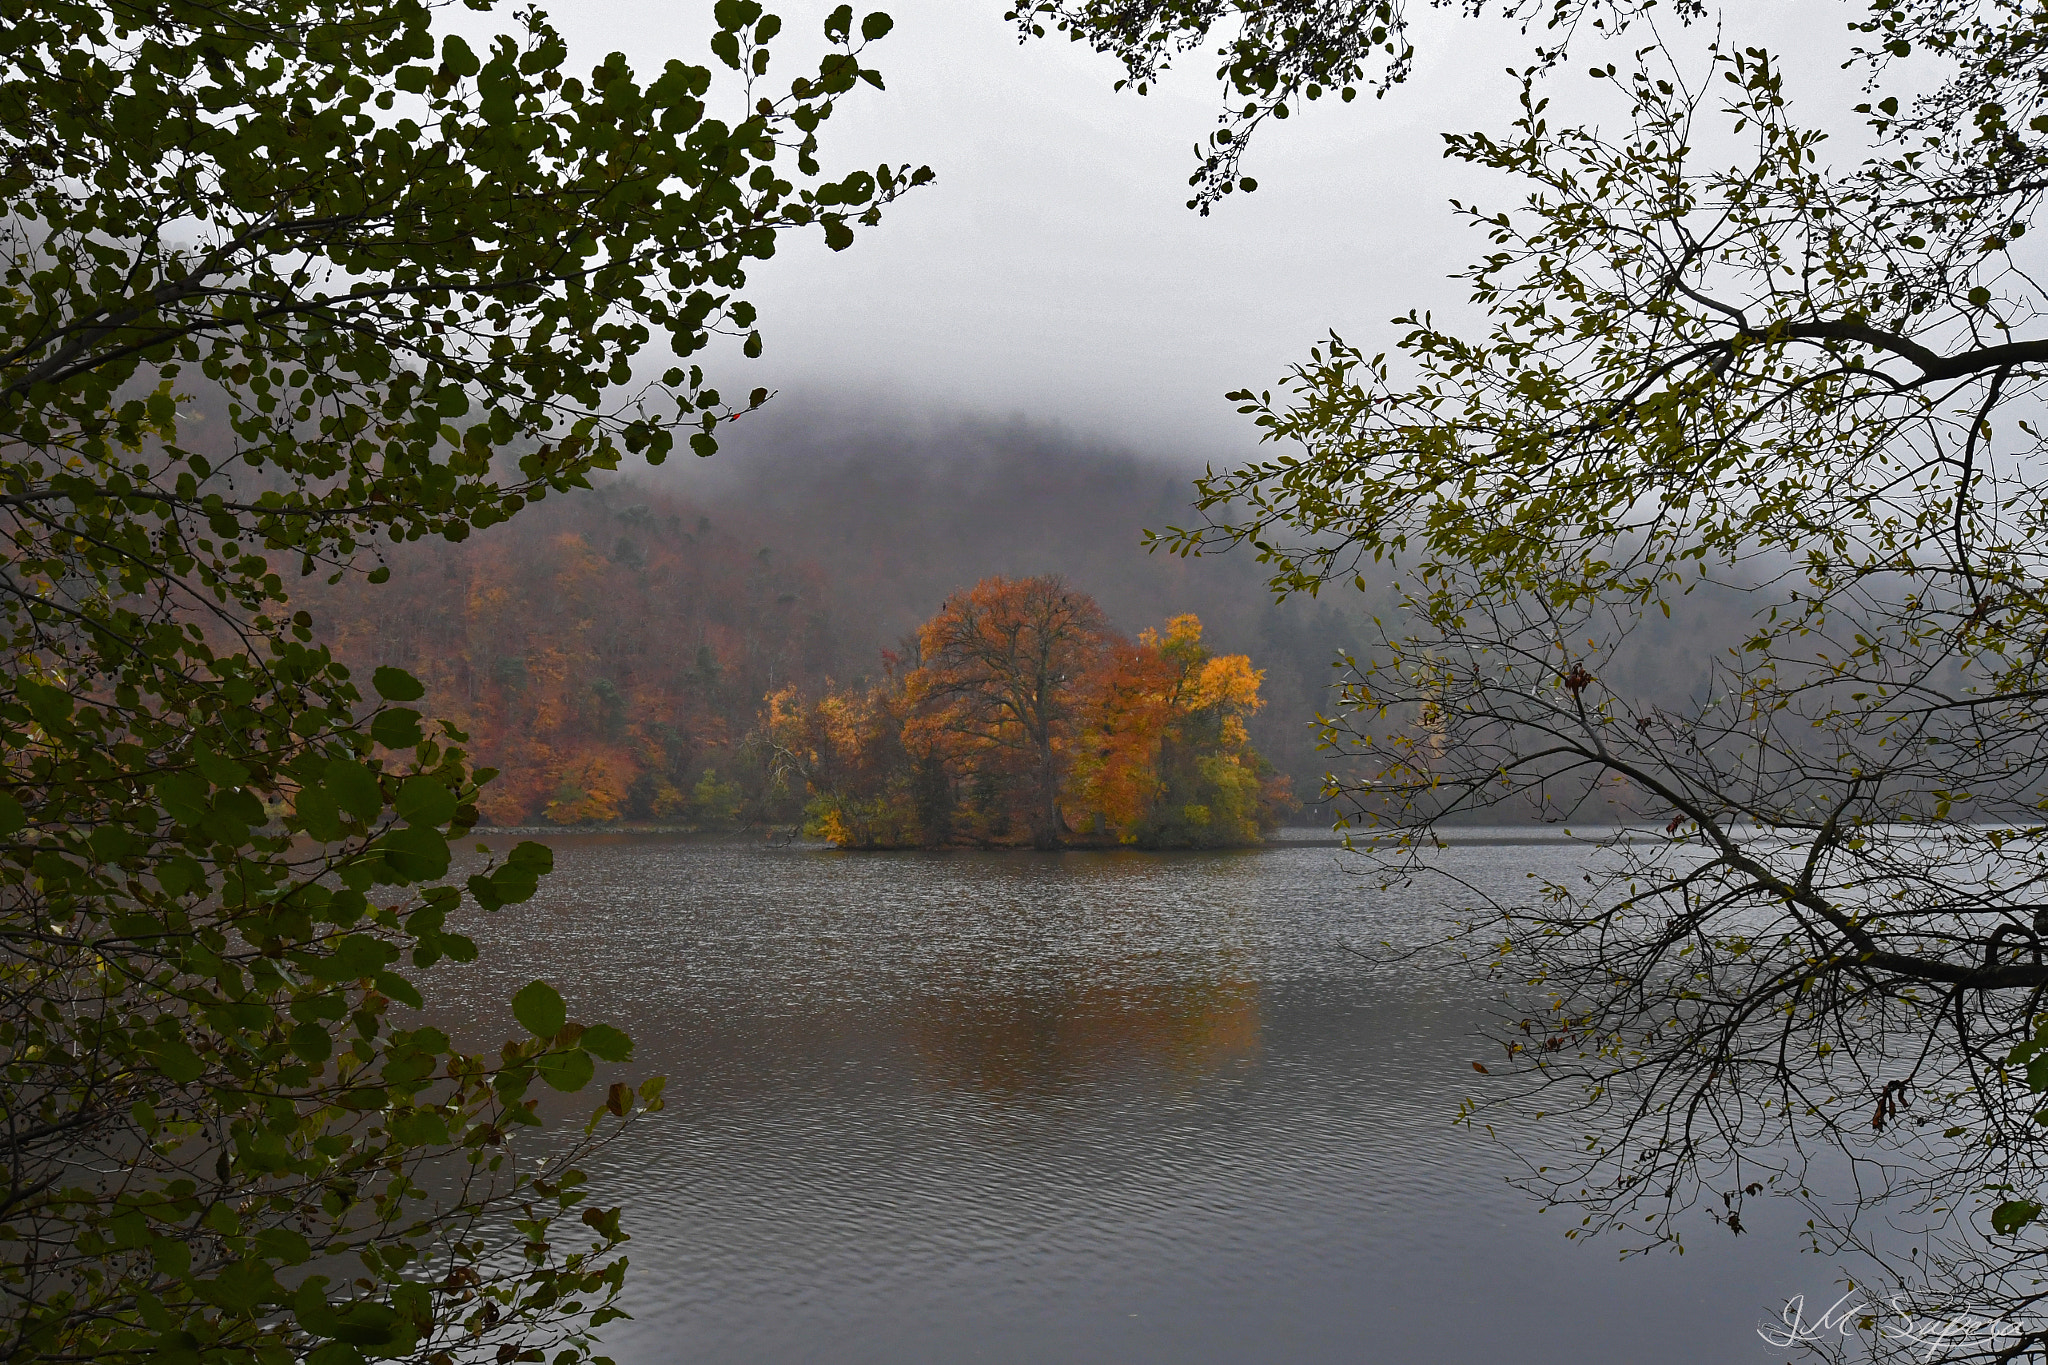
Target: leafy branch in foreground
409	282
1278	55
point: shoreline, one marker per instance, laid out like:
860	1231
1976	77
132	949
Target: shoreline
1289	836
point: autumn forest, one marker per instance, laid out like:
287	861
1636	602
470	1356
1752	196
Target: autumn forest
632	656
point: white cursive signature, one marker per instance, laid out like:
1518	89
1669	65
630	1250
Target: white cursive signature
1892	1319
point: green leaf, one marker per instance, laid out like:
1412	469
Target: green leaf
399	989
283	1244
420	1129
112	843
537	858
221	772
397	728
395	684
180	876
240	805
876	26
539	1009
457	58
310	1042
2013	1215
241	1287
417	853
352	958
485	889
172	1257
183	796
372	1328
606	1042
570	1070
507	885
424	801
51	706
176	1059
318	814
732	15
354	787
13	819
310	1306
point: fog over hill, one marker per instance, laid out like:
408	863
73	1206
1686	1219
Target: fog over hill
610	651
900	512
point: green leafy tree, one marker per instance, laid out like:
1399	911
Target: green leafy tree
284	279
1719	359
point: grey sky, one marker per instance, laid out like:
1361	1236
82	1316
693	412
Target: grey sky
1052	271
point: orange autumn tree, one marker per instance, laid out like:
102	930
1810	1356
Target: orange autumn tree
1005	672
870	782
1017	716
1165	761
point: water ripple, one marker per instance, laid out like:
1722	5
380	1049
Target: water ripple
1079	1107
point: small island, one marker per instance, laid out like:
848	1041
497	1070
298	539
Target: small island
1017	718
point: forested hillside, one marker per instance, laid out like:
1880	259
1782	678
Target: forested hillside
606	652
611	652
903	512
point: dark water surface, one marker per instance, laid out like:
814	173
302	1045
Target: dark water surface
1078	1107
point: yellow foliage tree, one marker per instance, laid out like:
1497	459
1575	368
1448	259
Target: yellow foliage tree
1000	689
1165	760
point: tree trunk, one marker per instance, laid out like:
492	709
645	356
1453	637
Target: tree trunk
1047	827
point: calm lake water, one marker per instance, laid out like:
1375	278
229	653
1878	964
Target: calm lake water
1078	1107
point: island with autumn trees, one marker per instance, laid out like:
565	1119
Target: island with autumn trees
1016	717
625	660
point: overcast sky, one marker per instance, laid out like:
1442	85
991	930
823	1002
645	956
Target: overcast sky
1052	271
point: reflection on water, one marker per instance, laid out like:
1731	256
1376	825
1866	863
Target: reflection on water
1075	1107
1045	1041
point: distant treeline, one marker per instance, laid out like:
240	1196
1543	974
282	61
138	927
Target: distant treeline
630	661
613	653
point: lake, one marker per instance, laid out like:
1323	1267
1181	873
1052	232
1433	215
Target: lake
1085	1107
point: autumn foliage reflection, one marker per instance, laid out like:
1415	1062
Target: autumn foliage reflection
1035	1042
1017	717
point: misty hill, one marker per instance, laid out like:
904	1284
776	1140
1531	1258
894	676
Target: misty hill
610	650
899	514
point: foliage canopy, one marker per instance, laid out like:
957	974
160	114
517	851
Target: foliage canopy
413	282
